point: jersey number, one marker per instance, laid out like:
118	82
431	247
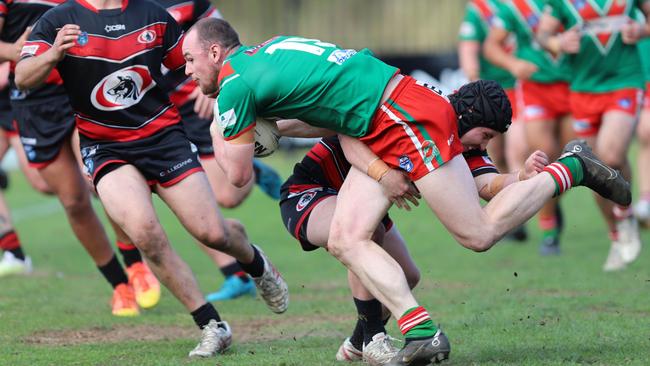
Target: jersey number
313	46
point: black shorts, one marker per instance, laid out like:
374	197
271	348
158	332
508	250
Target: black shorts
164	158
6	115
197	129
295	209
43	128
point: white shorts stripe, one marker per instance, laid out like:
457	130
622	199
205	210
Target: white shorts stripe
410	133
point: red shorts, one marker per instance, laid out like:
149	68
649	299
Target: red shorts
414	130
512	97
543	101
588	108
646	96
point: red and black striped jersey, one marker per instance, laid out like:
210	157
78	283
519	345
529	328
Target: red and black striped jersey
112	74
325	166
18	15
186	13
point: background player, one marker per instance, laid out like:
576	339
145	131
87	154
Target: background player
132	143
542	93
45	123
606	85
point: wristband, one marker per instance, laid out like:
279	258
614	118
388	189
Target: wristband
377	169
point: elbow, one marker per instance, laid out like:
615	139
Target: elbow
19	79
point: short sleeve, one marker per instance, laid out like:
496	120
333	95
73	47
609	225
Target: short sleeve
479	162
504	19
40	39
234	108
172	43
470	29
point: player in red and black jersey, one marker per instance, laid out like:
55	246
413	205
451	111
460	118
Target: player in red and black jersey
307	204
196	115
109	55
45	124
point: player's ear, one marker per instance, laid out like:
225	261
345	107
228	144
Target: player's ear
214	53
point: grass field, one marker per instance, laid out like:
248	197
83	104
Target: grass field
507	306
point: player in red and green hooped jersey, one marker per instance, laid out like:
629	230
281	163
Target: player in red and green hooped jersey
600	43
394	130
507	150
542	91
642	207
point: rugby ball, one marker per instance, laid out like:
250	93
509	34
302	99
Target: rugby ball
267	137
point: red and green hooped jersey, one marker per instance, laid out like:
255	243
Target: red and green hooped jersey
479	17
521	18
292	77
604	62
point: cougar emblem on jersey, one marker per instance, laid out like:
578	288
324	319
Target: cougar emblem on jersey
122	88
125	89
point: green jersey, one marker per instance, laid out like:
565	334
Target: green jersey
604	62
291	77
521	18
644	52
479	15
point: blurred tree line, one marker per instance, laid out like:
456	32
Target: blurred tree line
388	27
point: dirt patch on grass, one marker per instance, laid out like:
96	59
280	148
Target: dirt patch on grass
263	329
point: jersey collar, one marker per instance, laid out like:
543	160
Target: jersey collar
88	6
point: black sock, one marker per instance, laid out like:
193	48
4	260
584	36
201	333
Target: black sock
234	269
357	336
130	254
256	267
18	253
204	314
370	316
113	272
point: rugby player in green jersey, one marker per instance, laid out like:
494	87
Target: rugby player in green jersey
600	43
542	91
409	132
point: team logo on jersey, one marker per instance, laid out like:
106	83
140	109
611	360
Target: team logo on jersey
147	36
304	200
340	56
405	163
430	151
625	103
122	89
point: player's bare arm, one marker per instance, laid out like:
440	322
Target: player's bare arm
633	30
11	51
468	52
298	128
234	156
548	37
32	71
395	184
488	185
494	51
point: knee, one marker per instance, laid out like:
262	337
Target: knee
229	201
151	242
643	131
76	204
220	237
